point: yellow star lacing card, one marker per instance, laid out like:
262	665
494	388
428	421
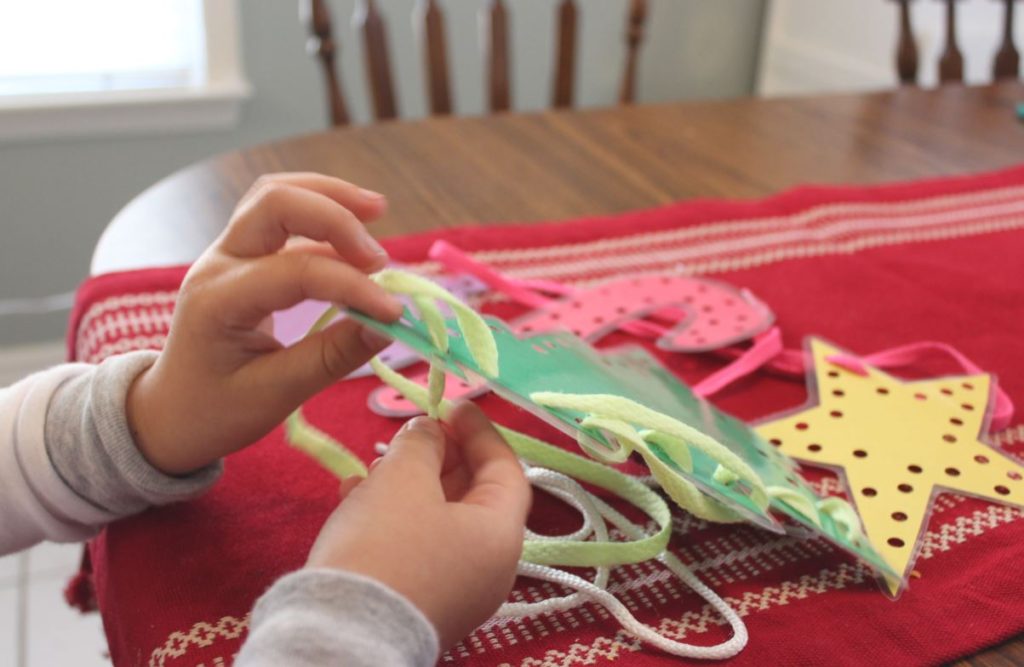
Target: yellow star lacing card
897	444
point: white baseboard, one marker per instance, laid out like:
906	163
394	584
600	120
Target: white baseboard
17	361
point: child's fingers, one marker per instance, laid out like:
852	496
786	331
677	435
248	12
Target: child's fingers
497	478
317	361
256	289
297	245
415	458
264	223
348	485
365	204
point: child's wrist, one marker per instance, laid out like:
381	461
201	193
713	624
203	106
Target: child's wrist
143	407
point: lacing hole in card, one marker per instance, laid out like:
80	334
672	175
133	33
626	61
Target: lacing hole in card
899	516
1014	475
860	453
895	542
916	469
869	492
949	437
981	459
952	472
814	448
905	488
1002	490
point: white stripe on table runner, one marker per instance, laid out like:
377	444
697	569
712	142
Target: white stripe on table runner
841	234
724	263
807	218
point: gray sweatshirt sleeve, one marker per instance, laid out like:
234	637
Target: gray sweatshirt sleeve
321	617
68	463
92	449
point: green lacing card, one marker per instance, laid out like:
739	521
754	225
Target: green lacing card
774	468
560	362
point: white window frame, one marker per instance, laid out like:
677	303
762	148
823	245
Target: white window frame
216	104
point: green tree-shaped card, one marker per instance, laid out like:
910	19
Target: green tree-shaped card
739	478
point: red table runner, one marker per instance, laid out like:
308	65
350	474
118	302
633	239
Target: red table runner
867	268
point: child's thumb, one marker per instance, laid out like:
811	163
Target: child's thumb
323	358
417	448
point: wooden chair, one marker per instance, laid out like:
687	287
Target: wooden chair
430	22
1006	64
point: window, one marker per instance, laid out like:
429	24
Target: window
82	67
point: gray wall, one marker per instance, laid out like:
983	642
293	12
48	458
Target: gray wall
56	196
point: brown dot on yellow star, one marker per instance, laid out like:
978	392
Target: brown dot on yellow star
898	443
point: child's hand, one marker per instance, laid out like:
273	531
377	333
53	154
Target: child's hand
440	520
222	381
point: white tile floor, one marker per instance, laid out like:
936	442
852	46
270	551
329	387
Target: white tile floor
37	627
9	630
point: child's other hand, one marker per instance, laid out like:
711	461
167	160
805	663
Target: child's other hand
439	519
223	381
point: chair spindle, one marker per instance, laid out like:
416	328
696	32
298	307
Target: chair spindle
565	68
634	39
951	64
496	48
368	21
321	45
436	54
1007	61
906	47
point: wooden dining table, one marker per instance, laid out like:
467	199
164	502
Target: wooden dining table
522	167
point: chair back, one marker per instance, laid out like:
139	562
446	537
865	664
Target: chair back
429	21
